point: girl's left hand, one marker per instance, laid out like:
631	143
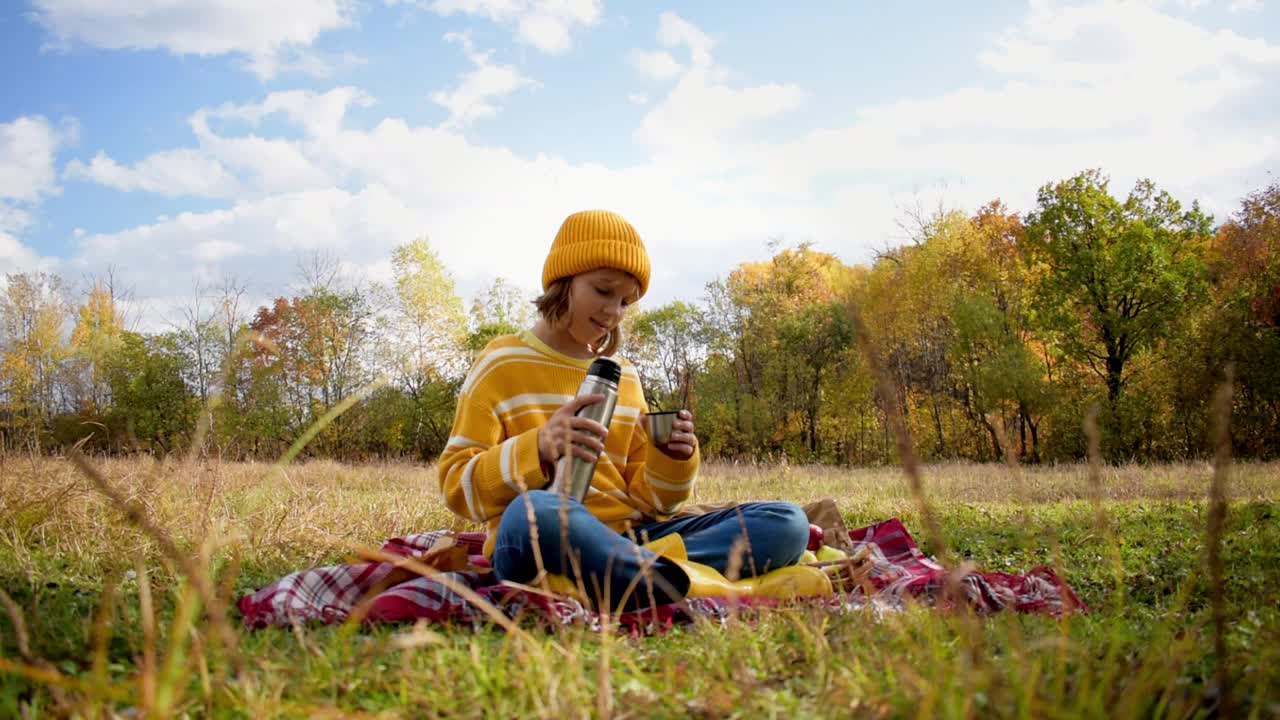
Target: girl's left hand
683	442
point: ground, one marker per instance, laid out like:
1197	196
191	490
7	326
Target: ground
102	610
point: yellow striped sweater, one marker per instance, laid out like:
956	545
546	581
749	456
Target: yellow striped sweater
513	388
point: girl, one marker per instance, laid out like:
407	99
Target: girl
516	417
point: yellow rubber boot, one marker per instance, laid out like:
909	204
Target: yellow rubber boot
562	585
705	581
670	547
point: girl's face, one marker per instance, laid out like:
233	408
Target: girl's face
597	301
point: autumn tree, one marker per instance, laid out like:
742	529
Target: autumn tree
422	345
999	376
32	349
778	329
95	341
907	306
310	353
1241	326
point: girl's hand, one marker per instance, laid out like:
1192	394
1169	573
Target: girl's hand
565	432
683	442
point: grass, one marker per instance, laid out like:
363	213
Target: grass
110	623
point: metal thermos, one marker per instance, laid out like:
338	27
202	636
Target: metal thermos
573	474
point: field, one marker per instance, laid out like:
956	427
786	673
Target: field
100	622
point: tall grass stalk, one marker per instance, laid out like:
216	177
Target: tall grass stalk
1214	531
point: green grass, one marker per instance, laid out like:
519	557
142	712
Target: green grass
1144	650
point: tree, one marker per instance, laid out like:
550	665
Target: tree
153	408
501	309
32	310
428	322
906	304
201	340
315	339
502	303
1242	325
95	340
423	348
1117	274
666	346
997	370
777	327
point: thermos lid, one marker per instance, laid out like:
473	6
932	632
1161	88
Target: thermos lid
606	369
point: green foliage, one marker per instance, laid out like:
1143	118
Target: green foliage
998	336
152	406
1118	274
666	345
486	332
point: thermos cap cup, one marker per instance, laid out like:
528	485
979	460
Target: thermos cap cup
661	425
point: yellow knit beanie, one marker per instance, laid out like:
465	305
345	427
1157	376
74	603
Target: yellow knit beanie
594	239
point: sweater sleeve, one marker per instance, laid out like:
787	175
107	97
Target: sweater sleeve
481	472
655	480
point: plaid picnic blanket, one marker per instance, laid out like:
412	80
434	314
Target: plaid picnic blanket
899	570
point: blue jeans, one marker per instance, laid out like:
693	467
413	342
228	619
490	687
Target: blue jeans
617	572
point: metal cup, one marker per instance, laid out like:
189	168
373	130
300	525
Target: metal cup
661	425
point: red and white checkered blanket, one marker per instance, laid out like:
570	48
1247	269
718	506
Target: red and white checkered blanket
899	570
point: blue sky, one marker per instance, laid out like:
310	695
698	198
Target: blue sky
190	141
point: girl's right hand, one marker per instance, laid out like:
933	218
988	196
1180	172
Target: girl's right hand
582	436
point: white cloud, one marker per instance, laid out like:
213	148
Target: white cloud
256	239
471	99
12	218
489	212
302	61
14	256
265	165
319	114
703	112
172	172
271	34
547	25
28	153
656	65
675	31
28	146
711	193
1239	6
229	165
638	98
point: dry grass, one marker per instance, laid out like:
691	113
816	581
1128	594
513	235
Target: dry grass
67	556
316	510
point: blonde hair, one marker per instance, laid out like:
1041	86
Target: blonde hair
553	306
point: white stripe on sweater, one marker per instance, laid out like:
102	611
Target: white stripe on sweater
664	485
507	456
540	399
469	490
462	441
490	361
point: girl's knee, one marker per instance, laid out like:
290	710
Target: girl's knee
787	532
538	508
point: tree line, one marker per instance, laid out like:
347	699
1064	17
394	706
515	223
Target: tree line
1001	332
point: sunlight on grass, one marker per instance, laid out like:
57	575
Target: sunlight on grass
69	557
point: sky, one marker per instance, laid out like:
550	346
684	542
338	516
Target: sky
178	143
